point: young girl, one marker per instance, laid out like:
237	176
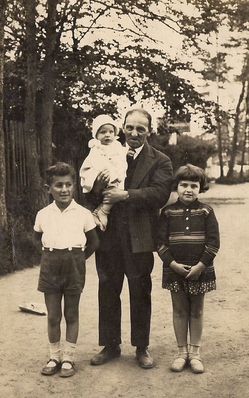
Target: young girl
106	154
68	236
188	243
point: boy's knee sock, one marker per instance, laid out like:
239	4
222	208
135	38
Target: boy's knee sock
55	351
68	353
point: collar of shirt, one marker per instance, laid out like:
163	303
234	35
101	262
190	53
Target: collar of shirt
68	208
192	205
137	150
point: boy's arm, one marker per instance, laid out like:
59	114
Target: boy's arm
92	242
37	238
37	232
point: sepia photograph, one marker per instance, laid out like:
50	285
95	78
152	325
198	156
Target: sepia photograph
124	198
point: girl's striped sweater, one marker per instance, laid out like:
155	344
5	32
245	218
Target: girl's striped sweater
188	234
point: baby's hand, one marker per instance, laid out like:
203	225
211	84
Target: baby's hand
101	182
104	176
195	272
179	268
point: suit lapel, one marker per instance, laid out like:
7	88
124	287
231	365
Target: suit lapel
144	163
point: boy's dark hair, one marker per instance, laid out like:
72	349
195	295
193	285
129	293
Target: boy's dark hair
59	169
191	173
144	112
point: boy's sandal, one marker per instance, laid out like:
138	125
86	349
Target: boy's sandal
51	370
196	364
178	364
67	372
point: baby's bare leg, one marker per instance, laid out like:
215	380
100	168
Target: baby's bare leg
101	213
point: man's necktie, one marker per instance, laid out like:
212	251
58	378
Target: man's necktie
129	158
130	155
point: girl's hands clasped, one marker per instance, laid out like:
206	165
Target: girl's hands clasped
195	271
181	269
191	273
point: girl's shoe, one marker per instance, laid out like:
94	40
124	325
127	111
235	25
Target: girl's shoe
179	364
51	370
195	363
67	372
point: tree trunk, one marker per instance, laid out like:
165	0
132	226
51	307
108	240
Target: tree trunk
241	174
219	142
6	263
219	137
236	132
3	209
245	138
48	95
37	197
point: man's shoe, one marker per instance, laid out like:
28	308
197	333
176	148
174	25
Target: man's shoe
144	358
106	355
51	370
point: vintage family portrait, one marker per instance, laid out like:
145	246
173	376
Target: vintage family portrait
124	193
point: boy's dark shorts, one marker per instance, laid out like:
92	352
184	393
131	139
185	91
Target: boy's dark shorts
62	271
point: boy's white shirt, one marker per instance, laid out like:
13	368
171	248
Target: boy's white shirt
64	229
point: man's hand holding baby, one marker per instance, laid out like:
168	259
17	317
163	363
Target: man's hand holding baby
114	195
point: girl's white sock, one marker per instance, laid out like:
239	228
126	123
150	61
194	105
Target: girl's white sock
55	352
183	350
194	349
68	354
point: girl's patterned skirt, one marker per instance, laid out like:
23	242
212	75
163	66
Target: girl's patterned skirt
175	282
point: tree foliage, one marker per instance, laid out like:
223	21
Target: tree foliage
80	58
95	74
187	150
77	69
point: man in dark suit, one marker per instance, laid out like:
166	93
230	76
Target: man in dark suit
126	246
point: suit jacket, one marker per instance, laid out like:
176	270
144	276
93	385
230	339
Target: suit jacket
149	191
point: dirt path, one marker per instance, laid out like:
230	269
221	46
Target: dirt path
23	340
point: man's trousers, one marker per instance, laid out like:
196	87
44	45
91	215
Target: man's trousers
111	267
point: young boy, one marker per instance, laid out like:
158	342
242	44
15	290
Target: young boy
68	236
106	155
